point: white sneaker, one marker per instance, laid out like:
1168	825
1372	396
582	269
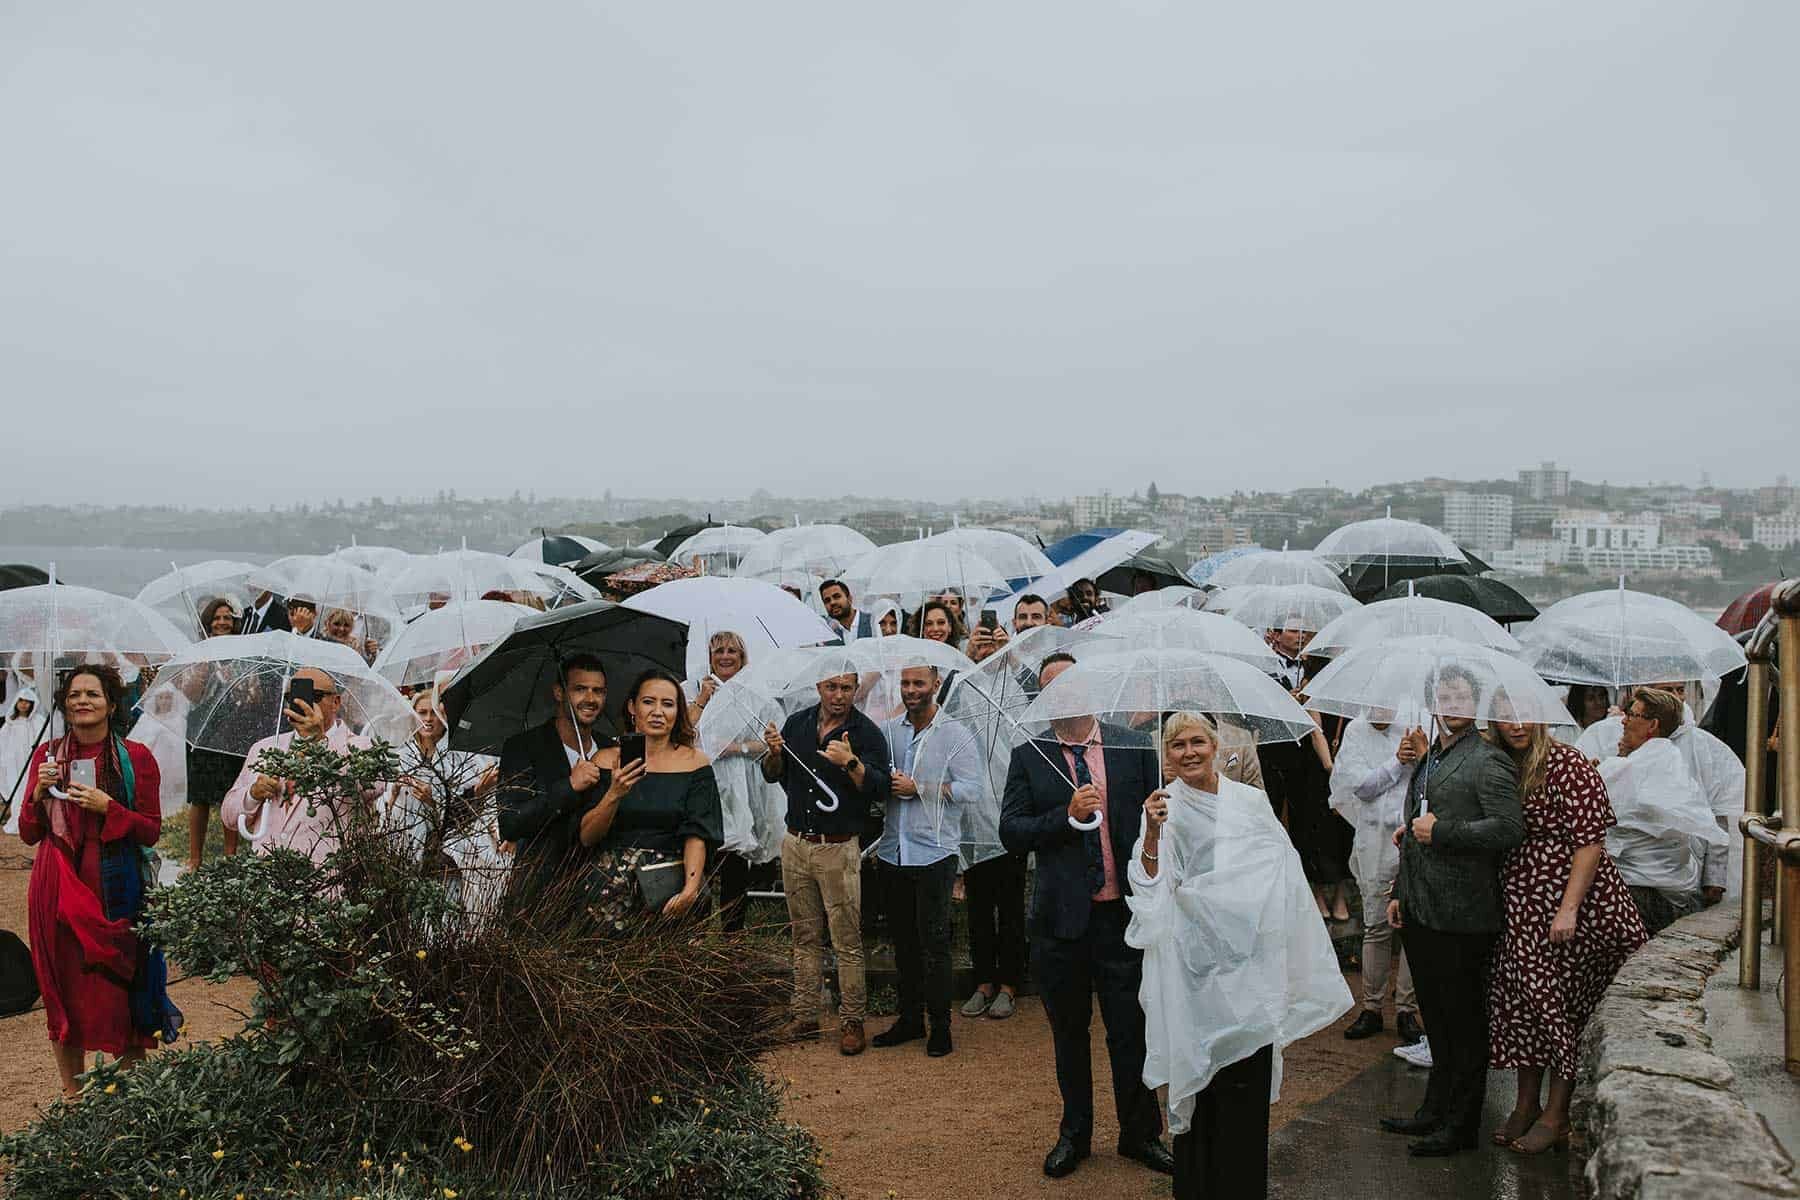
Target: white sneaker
1418	1054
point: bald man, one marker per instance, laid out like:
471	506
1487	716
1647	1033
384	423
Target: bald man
267	805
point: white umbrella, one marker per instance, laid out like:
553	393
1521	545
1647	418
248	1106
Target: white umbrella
184	591
763	615
332	582
822	550
444	639
912	572
1185	629
1091	563
718	550
1279	567
1410	616
1391	539
1618	637
1293	606
1164	598
1437	676
469	575
56	625
1012	554
1129	682
375	559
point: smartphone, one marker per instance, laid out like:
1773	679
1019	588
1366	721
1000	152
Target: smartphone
81	772
302	689
989	619
631	749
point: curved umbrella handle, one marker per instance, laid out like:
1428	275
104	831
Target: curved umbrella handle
821	805
58	793
263	828
1092	824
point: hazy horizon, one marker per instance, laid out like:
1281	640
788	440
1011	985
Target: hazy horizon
262	256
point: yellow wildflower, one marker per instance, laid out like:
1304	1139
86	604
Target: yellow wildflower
420	956
399	1170
111	1088
217	1155
656	1099
449	1194
366	1164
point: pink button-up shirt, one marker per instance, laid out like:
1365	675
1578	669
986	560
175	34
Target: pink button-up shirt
1094	754
287	824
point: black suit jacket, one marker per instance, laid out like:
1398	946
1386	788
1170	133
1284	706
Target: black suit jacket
539	811
1453	885
275	618
1035	816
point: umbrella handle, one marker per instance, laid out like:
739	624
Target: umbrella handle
831	795
59	793
1092	824
263	828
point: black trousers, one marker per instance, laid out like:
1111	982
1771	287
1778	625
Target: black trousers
918	900
1070	974
733	883
1225	1151
995	893
1450	974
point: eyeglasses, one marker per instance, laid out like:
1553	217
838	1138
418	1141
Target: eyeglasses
1639	716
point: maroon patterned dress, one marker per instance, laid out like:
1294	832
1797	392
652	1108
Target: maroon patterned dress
1540	994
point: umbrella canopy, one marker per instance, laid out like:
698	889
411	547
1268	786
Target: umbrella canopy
1410	616
1126	683
558	549
1294	606
1163	598
597	566
883	657
823	550
1083	556
1406	678
1204	569
331	582
18	575
912	572
1278	567
507	689
1185	629
1019	559
184	591
1498	600
716	550
761	614
468	575
668	542
446	639
1369	579
74	624
372	558
227	693
1142	572
1619	637
1747	610
1386	539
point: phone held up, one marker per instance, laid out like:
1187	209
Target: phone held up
989	620
631	749
302	689
81	772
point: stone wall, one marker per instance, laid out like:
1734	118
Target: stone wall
1654	1109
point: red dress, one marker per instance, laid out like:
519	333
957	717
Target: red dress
1541	994
85	962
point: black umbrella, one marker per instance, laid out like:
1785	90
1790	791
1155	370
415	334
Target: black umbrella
1498	600
1368	577
507	689
598	565
666	544
559	550
18	575
1160	571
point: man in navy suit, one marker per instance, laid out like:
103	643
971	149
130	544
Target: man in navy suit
842	614
1078	916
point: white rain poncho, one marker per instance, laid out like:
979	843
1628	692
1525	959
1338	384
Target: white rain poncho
1665	824
1235	956
17	737
1368	789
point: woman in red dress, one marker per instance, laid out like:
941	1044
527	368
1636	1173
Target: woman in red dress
85	961
1570	924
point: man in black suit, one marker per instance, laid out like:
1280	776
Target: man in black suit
546	773
1462	816
269	612
1078	917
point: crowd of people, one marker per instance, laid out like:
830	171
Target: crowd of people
1504	871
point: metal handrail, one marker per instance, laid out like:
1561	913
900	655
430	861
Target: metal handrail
1767	831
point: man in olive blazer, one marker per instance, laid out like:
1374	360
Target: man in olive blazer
1462	816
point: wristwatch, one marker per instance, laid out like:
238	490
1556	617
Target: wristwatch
852	764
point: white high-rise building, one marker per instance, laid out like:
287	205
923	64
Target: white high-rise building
1482	522
1602	531
1777	531
1544	482
1091	511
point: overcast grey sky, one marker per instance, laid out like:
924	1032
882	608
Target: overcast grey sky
258	253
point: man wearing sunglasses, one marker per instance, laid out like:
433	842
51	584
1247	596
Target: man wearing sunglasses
267	809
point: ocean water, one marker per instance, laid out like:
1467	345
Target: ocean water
121	569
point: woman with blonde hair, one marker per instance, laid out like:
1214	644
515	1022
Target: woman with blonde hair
1570	925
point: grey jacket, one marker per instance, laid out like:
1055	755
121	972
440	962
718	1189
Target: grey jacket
1453	885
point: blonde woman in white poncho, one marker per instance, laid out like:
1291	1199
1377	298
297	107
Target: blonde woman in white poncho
1236	963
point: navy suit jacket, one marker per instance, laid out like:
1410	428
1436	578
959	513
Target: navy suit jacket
1035	816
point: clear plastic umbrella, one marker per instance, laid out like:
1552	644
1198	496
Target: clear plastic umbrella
1388	539
1436	676
762	694
762	614
1162	599
445	639
1131	682
1279	567
823	550
56	625
912	572
470	575
332	582
375	559
719	550
1293	606
184	591
1185	629
1012	554
227	693
1204	569
1620	637
1411	616
566	587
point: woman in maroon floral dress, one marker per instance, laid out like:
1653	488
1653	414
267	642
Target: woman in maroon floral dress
1570	924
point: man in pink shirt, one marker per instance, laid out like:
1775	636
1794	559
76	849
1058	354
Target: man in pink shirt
284	817
1086	769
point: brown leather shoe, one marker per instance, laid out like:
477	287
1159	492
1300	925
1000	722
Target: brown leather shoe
850	1037
798	1030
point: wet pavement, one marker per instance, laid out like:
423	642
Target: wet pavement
1746	1028
1334	1149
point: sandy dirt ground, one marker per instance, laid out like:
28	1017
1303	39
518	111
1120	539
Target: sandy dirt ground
893	1122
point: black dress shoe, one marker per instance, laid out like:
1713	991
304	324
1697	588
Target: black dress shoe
938	1044
1152	1154
899	1033
1063	1158
1441	1144
1408	1027
1368	1023
1412	1126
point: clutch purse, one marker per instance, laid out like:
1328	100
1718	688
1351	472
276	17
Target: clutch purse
658	883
